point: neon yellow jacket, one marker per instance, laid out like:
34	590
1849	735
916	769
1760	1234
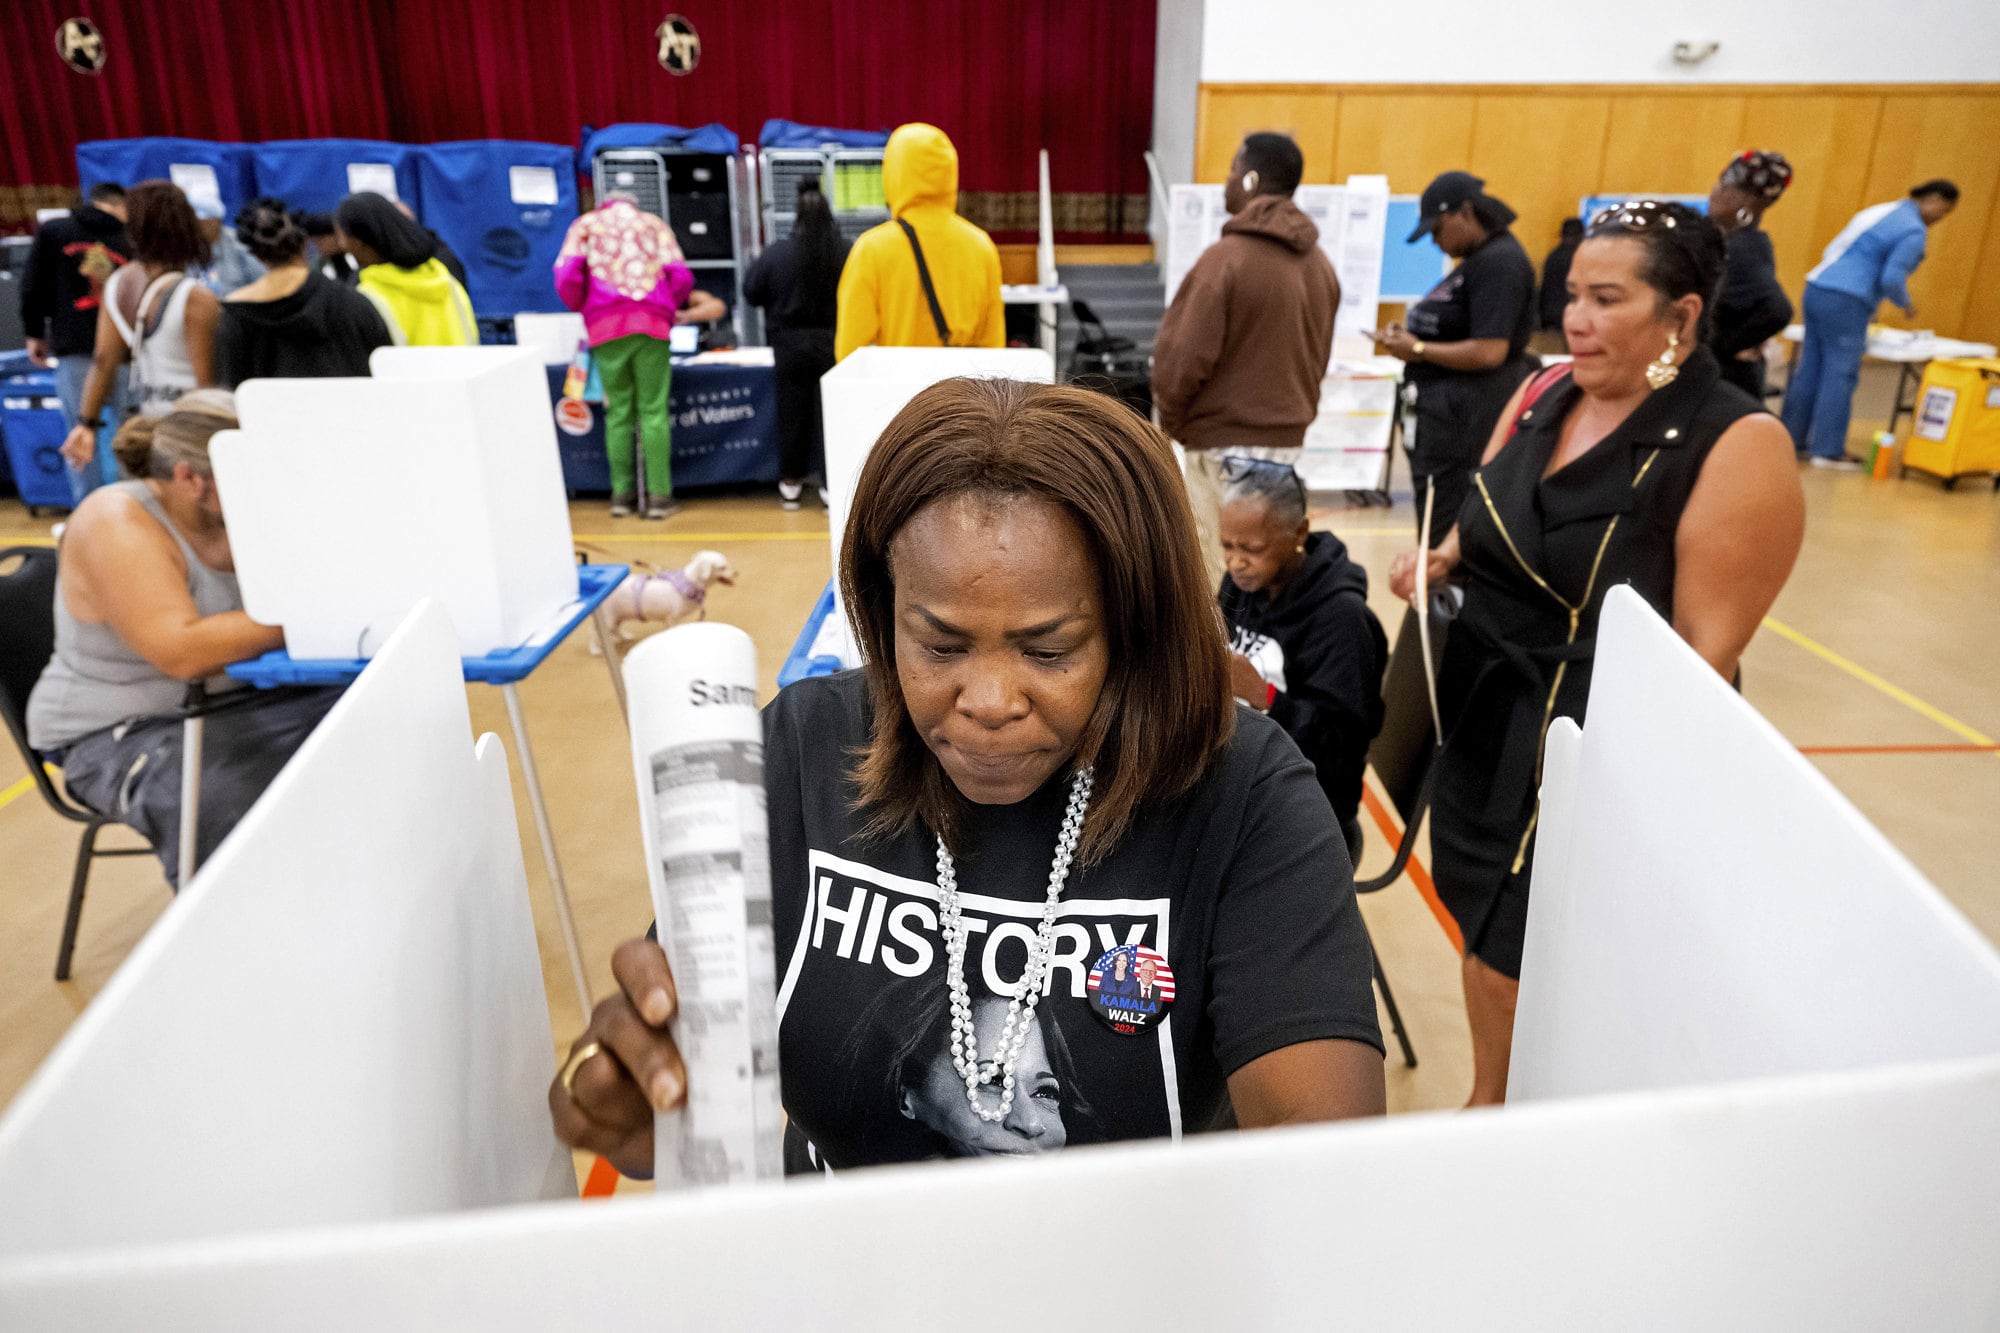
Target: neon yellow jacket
881	298
423	306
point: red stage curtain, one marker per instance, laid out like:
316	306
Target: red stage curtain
1004	80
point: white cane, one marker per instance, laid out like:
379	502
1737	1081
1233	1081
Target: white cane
1424	607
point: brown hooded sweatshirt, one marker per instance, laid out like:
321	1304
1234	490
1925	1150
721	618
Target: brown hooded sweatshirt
1243	348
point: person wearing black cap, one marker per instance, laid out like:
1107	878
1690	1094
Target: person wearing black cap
1466	341
1753	307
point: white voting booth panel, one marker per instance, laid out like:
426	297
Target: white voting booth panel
862	395
349	500
1708	907
341	1019
1858	1201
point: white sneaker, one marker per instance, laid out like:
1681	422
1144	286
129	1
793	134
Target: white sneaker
1841	464
789	493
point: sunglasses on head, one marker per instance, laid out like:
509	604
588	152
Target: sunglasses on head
1236	467
1637	214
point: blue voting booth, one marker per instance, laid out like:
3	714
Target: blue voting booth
710	138
505	207
791	134
502	205
313	175
182	161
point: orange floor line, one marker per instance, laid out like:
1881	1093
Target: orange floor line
602	1181
1393	834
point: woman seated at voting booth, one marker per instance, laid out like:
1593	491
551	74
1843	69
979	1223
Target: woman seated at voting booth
146	601
1038	774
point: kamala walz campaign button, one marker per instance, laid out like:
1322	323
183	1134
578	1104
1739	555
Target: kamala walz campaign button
1131	988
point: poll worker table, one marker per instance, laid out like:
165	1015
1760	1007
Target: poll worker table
506	668
724	407
1910	352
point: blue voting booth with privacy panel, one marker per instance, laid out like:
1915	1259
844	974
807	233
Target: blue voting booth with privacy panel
314	175
504	206
196	165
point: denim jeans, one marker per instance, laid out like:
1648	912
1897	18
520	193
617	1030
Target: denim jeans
1819	398
70	372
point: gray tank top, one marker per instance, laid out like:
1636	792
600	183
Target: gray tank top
95	680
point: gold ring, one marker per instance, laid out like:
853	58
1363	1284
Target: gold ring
575	1062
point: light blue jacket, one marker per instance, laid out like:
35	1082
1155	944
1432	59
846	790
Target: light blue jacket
1874	254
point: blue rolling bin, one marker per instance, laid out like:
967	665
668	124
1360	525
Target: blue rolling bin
31	422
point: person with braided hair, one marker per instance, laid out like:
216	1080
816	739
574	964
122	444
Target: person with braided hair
293	322
1753	307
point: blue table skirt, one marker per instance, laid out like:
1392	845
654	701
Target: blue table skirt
725	430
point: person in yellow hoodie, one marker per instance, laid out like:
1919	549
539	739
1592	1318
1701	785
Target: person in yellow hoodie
883	301
423	305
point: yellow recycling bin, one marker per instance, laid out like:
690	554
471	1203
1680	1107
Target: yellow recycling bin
1957	428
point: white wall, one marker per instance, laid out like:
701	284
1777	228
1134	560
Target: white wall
1476	41
1177	74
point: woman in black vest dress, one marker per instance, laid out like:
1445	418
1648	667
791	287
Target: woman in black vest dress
1637	465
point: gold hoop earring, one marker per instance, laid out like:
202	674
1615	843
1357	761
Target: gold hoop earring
1661	373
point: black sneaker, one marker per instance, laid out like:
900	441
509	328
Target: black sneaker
661	506
621	505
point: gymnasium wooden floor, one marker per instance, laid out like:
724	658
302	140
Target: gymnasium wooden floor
1878	659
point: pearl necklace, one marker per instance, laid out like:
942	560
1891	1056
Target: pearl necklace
1020	1008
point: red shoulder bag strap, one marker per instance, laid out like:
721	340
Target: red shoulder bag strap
1544	380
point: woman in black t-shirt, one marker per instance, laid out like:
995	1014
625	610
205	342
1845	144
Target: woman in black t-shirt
1466	341
1040	761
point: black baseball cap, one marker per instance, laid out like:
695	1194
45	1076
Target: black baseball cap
1452	190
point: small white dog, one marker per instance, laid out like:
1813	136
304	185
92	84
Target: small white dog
669	597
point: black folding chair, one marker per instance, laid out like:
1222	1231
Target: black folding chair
1401	757
27	641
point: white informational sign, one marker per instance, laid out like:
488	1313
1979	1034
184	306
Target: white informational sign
532	185
1194	222
372	178
1363	244
1934	416
197	181
1351	219
1348	442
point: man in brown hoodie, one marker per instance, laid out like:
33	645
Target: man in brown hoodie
1241	352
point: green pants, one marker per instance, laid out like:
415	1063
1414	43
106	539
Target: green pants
637	372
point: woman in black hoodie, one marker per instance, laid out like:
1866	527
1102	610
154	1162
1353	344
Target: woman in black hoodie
292	322
1304	647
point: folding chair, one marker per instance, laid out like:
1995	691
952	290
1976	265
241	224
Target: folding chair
27	642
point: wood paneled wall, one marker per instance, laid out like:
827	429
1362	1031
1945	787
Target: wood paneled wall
1542	148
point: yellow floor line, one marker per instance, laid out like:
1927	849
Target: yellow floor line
16	791
27	541
819	536
1867	677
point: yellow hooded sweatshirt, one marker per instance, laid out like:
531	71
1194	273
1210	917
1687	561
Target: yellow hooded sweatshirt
423	306
881	297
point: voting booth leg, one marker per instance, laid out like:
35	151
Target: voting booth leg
604	641
1389	1003
556	885
190	796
